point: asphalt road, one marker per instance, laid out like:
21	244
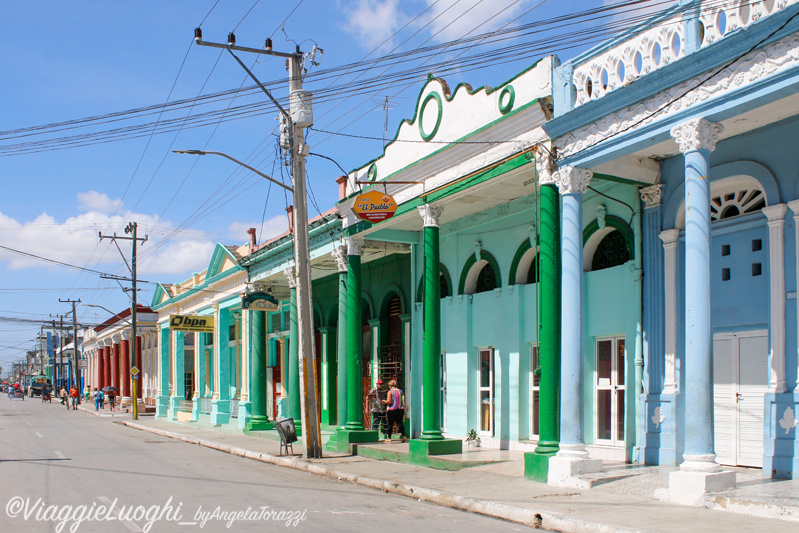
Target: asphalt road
68	467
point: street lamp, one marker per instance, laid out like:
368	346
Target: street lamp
248	167
113	313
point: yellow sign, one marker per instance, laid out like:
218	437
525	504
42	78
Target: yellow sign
374	206
198	324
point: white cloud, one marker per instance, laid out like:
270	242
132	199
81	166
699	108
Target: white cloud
97	201
374	21
453	19
75	241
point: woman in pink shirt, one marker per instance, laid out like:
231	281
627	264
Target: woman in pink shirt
396	411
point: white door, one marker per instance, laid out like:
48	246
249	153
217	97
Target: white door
610	389
740	380
486	390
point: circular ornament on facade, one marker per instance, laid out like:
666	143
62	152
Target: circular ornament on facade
422	111
371	174
506	98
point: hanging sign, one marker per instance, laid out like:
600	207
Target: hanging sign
259	301
195	323
374	206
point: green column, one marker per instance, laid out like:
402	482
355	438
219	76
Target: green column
354	355
354	431
431	343
432	441
341	332
293	375
259	420
162	407
536	464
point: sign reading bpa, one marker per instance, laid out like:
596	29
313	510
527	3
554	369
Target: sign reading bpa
198	324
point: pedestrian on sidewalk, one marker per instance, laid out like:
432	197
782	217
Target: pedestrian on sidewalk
98	399
73	393
64	397
396	411
87	393
112	401
377	406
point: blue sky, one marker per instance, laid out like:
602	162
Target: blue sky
67	61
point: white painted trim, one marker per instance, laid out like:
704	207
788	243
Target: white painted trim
613	387
776	247
670	238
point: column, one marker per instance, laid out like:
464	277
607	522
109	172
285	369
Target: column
140	384
572	458
670	238
125	368
794	205
162	405
536	464
243	365
115	363
179	379
259	420
200	368
293	371
220	404
431	441
107	364
340	254
699	473
354	431
776	246
100	366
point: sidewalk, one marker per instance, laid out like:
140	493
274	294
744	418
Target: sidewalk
621	500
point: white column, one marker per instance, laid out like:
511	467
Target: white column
776	246
669	238
218	336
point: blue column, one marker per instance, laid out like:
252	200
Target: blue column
572	183
653	290
697	138
179	390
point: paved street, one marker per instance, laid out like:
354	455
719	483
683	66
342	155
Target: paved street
53	457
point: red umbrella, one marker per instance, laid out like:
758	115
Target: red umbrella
4	383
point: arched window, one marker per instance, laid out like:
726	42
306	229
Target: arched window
733	203
444	281
532	272
444	285
611	251
486	280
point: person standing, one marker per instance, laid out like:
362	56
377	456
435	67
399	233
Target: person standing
73	393
396	411
377	406
98	399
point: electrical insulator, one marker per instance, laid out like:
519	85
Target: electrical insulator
231	39
198	34
268	45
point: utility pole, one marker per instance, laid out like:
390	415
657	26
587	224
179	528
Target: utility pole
298	118
75	369
131	228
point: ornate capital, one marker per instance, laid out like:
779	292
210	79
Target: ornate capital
572	180
354	246
697	134
669	237
430	214
340	255
545	164
289	273
651	195
775	214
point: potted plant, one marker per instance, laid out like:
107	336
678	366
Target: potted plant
472	440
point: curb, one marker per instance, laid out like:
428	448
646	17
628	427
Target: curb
528	517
